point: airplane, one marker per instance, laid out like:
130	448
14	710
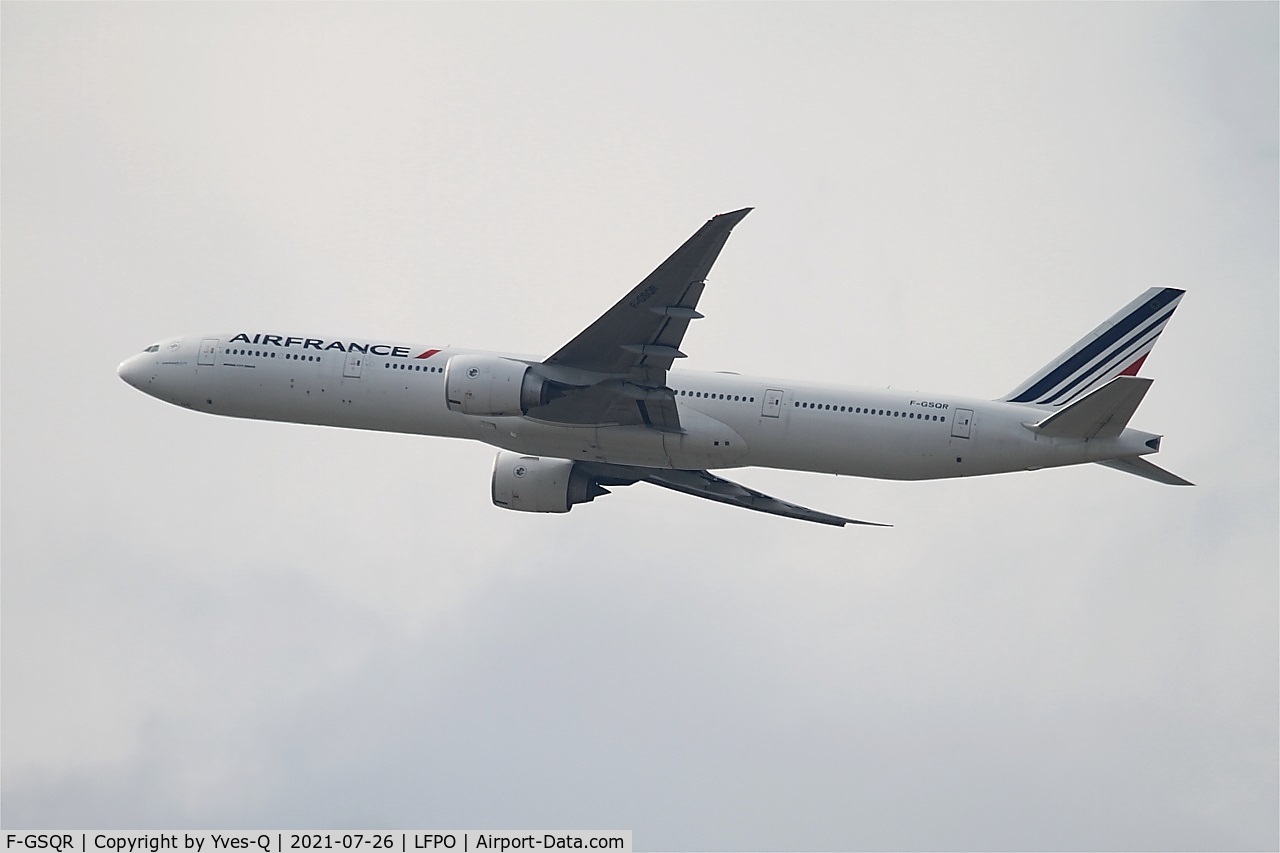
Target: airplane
607	409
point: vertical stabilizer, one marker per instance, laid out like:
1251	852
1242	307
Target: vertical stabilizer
1116	348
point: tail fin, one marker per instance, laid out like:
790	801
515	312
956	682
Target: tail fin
1116	348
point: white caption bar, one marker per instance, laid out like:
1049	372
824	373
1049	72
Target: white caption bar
276	841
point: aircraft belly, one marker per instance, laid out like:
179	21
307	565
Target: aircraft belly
629	445
705	447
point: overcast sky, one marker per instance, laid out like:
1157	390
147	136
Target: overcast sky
216	623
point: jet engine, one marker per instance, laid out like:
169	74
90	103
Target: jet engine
492	386
534	484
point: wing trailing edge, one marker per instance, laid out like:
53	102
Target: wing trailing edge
704	484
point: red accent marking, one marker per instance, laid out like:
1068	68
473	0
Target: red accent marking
1132	370
427	354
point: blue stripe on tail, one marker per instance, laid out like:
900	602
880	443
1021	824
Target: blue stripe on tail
1140	326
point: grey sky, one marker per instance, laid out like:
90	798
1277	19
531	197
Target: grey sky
214	623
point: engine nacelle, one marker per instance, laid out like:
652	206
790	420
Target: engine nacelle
492	386
534	484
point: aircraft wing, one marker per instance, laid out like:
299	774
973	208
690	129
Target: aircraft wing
704	484
635	341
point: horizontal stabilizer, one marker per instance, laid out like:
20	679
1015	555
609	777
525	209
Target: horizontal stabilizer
1103	414
1141	467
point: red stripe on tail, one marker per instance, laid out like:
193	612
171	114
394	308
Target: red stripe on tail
1132	370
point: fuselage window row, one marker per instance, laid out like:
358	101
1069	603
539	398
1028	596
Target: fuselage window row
422	368
297	357
858	410
261	354
734	398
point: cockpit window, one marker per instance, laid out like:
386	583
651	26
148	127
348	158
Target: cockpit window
152	348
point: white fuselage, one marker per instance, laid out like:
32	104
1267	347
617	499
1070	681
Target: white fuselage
729	420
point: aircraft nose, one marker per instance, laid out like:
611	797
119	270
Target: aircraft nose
131	371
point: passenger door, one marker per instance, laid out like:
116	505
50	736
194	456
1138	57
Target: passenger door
355	363
208	352
772	403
